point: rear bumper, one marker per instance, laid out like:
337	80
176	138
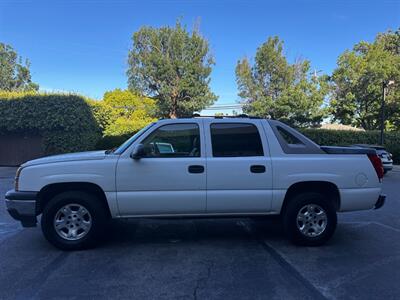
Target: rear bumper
22	207
380	202
358	199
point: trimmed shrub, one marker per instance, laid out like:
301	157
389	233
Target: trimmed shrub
70	123
65	122
103	113
347	137
121	114
112	141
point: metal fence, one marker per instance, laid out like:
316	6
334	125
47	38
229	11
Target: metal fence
15	149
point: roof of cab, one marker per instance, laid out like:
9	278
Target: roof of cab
198	116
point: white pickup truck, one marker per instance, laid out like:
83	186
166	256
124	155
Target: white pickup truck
198	167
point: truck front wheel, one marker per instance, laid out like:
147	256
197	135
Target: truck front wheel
73	220
309	219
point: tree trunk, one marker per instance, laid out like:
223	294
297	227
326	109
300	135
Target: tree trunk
172	113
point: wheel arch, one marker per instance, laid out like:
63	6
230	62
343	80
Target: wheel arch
329	189
51	190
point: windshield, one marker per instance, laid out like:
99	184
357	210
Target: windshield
129	141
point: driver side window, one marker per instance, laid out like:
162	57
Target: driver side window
174	140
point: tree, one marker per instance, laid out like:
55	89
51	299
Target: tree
357	83
127	112
14	76
390	41
172	66
274	88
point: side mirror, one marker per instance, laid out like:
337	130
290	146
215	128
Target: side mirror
138	152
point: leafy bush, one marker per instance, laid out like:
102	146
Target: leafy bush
112	141
66	122
347	137
120	115
129	112
103	113
70	123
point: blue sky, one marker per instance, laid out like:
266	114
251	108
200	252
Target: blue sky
82	46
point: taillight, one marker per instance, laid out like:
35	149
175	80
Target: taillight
377	163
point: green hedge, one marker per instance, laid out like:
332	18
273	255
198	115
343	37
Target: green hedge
70	123
66	122
111	141
347	137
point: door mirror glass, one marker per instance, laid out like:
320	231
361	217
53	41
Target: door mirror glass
138	152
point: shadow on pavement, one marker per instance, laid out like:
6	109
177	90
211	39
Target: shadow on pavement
158	231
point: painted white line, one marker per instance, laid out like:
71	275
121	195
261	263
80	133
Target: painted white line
365	223
362	272
285	264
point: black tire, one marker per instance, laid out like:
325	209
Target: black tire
91	203
292	210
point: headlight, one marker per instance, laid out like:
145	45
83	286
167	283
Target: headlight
16	181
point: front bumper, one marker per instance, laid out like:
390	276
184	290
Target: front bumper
387	167
380	202
22	207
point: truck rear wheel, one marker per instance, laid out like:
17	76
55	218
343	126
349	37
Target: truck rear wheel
309	219
73	220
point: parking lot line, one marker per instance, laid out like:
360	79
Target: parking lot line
365	223
282	262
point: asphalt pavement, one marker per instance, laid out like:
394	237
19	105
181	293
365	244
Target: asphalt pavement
208	259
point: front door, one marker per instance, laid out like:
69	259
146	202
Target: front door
239	169
170	179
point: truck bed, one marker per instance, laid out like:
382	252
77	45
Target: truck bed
346	150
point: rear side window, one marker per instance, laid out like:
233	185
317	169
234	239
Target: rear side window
235	140
290	139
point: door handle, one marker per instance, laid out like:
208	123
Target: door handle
196	169
257	169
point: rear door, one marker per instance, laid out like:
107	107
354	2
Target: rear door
239	171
